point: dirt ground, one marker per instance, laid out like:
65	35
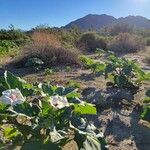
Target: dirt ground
120	121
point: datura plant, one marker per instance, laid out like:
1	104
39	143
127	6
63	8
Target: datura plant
122	72
42	116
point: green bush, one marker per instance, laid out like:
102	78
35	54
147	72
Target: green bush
7	46
68	69
74	84
48	71
17	36
148	41
91	41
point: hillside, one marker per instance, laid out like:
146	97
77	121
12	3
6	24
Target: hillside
93	21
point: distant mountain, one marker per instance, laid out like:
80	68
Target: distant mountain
137	21
93	21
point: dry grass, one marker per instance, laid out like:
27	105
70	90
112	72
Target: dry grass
126	43
46	38
48	48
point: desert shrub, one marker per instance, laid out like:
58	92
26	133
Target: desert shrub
67	37
48	71
116	29
50	55
7	46
148	41
68	69
126	43
48	48
17	36
91	41
46	38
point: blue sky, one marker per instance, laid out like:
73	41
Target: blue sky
26	14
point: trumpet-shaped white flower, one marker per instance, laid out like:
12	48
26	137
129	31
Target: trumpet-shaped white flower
59	102
12	97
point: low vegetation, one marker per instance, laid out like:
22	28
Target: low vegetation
8	47
91	41
124	73
92	66
126	43
52	120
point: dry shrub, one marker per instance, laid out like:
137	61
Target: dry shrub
46	38
47	47
126	43
91	41
50	55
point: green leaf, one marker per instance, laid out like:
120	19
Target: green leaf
109	68
84	109
127	70
146	114
88	141
13	81
10	133
27	109
37	144
3	107
146	100
121	81
148	93
10	81
46	109
73	95
50	90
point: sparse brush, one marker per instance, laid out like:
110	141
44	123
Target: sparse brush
51	56
91	41
74	84
48	71
68	69
126	43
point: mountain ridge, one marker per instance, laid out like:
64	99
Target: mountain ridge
95	21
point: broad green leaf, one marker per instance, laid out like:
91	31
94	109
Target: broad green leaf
13	81
38	144
46	109
146	100
50	90
127	70
84	109
10	133
88	141
146	114
27	109
73	95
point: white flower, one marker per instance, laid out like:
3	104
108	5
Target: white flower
100	135
12	97
41	92
59	102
